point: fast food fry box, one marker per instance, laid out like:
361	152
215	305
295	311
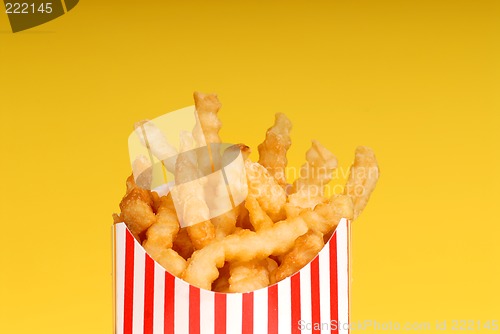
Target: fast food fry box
148	299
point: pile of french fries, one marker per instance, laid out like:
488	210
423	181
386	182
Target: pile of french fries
279	227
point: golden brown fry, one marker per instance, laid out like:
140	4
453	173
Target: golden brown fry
297	202
223	191
325	217
207	107
304	201
168	259
137	211
272	152
224	224
160	236
292	211
201	234
267	191
258	217
183	244
163	232
248	276
316	172
362	178
305	248
246	245
195	212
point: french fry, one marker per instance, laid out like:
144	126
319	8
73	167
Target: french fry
137	210
362	179
246	246
207	107
264	229
272	152
163	232
195	212
265	188
258	217
305	248
316	172
248	276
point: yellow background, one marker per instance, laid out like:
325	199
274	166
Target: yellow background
416	80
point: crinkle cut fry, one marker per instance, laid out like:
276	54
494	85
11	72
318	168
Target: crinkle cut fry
137	209
219	193
160	237
246	246
164	230
258	217
272	151
316	172
248	276
195	212
207	107
206	131
305	248
261	185
362	179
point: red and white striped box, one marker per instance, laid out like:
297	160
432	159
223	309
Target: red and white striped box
149	300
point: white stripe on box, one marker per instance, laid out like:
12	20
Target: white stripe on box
181	307
284	307
120	275
260	311
159	300
324	287
305	297
139	271
234	313
342	278
207	320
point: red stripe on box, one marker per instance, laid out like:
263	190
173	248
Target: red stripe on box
247	317
194	310
129	284
334	296
295	293
169	309
272	309
149	290
220	313
315	295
